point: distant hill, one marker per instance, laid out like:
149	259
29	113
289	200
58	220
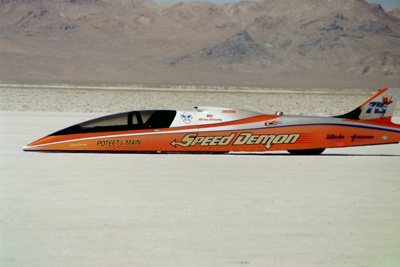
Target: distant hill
394	12
281	43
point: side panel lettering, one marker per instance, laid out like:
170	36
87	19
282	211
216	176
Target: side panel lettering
268	140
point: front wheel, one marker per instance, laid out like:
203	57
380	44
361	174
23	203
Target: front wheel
315	151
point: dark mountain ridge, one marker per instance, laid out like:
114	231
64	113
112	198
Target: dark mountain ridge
270	42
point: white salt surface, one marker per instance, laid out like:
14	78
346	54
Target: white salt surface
66	209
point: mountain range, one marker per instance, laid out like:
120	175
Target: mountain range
279	43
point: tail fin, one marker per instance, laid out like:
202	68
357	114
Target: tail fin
380	106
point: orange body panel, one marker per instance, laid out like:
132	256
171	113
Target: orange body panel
269	139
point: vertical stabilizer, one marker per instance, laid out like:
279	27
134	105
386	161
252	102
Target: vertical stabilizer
380	106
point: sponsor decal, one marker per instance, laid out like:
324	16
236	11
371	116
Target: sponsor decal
338	139
128	142
187	118
78	144
272	123
268	140
385	137
356	137
229	111
334	136
210	119
380	107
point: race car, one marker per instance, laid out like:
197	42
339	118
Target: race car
223	130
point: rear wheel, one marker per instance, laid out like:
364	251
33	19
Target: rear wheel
315	151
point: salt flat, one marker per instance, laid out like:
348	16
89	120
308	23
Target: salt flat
66	209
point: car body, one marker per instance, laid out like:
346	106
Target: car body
222	130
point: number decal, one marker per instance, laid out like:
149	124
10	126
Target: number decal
380	107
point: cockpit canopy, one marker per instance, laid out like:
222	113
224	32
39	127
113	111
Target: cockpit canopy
133	120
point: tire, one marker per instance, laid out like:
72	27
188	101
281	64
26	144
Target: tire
315	151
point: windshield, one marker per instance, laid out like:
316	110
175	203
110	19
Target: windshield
134	120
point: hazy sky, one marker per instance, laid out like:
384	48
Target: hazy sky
384	3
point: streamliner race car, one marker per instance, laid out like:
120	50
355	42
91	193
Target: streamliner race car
222	130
